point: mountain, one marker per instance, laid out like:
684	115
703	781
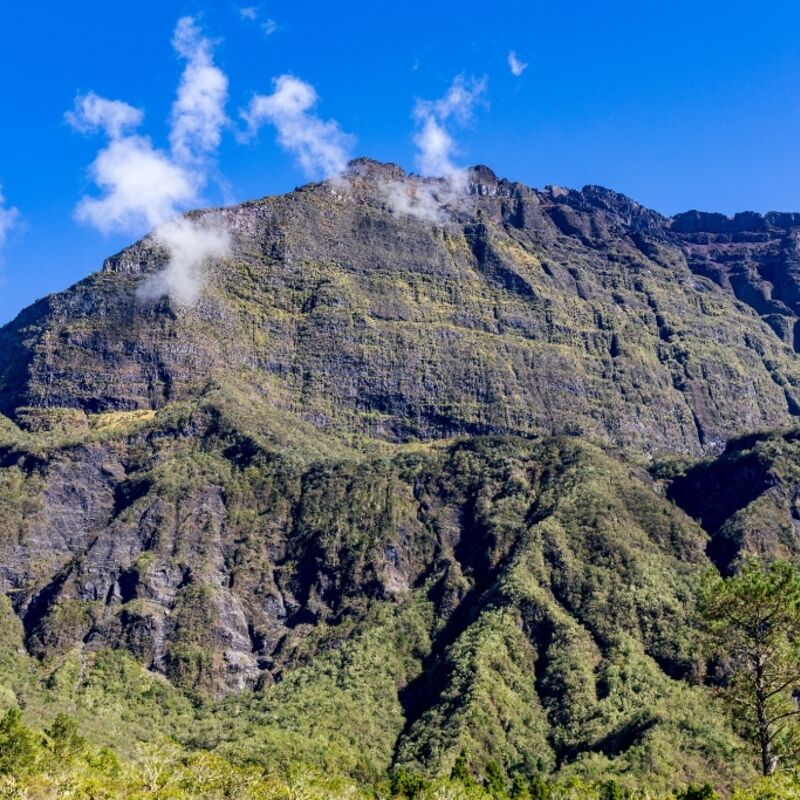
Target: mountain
415	481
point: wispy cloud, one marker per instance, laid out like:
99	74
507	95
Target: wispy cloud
253	14
9	218
320	146
189	246
198	113
434	142
516	66
93	113
436	148
142	185
417	199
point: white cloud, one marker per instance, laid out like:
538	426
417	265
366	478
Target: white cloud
251	14
141	186
416	199
198	113
516	66
458	101
93	113
145	186
435	144
190	246
321	147
432	201
435	149
9	218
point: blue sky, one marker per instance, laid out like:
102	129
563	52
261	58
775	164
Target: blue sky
680	105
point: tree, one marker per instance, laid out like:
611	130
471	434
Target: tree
19	746
752	626
495	782
695	792
65	741
407	784
611	790
461	770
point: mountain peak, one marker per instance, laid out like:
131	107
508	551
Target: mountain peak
742	222
370	168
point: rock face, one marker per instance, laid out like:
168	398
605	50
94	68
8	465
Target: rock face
512	311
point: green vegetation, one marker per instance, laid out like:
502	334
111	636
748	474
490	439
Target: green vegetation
358	524
58	763
299	613
753	624
537	313
517	613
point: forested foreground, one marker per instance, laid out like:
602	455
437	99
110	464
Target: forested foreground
58	763
194	611
750	633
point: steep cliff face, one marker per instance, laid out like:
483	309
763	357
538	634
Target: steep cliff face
756	258
513	311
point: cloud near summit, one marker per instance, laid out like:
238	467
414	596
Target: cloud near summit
142	185
435	144
320	146
436	149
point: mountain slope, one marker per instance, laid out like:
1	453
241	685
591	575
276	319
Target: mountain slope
748	498
527	602
403	490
